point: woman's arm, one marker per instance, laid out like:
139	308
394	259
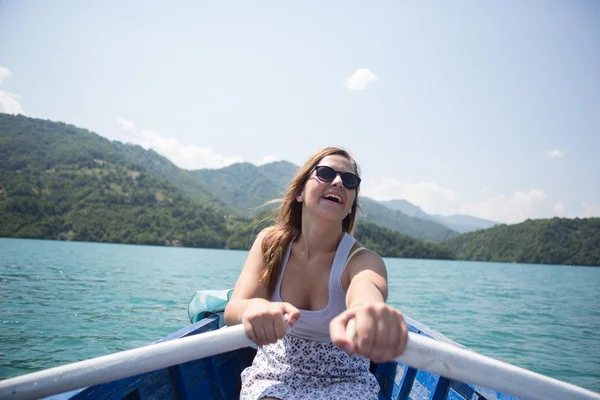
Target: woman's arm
248	284
365	279
262	319
381	332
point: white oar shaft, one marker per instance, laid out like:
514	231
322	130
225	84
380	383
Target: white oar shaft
467	366
421	353
124	364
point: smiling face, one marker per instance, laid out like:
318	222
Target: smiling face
329	200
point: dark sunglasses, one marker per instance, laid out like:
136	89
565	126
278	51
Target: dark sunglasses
328	174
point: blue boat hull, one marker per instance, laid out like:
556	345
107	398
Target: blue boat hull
218	377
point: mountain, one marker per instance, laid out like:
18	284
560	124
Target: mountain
281	172
458	223
161	167
424	229
62	182
58	181
406	207
464	223
244	187
389	243
547	241
384	241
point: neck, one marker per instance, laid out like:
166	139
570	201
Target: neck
319	236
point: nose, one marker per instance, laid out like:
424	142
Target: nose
337	180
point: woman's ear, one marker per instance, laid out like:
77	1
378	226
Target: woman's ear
300	197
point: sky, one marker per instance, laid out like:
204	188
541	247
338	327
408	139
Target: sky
490	109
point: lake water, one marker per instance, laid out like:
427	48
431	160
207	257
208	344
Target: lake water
65	301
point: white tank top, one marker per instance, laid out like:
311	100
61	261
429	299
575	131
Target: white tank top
314	324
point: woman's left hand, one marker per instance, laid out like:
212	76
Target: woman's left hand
381	332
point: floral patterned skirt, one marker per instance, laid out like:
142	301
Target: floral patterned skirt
294	368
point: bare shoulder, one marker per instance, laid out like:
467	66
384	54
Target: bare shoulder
249	284
366	260
260	237
365	265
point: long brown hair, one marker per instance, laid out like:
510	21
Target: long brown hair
288	222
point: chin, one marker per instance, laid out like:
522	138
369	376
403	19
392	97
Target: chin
327	213
332	216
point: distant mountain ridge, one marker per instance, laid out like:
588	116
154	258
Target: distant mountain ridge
245	187
428	230
58	181
459	223
464	223
406	207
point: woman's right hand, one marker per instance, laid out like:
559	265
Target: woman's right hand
263	320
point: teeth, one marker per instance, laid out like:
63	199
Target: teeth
333	196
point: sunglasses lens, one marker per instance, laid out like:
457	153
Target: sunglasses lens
326	174
350	180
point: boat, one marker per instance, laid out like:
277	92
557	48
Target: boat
217	377
204	360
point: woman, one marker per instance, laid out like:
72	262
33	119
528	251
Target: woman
309	267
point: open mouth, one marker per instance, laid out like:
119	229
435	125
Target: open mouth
333	197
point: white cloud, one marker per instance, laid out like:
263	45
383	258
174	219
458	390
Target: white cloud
590	210
431	197
10	103
436	199
184	156
4	73
555	153
267	160
510	209
126	124
361	79
559	209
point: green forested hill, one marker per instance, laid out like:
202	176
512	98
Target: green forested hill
58	181
161	167
430	231
389	243
281	172
385	242
30	144
105	203
244	187
546	241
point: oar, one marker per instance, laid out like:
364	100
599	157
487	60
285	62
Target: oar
421	353
467	366
123	364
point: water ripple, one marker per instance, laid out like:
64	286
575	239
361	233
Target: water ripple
64	302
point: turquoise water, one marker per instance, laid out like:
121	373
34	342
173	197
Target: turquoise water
64	302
